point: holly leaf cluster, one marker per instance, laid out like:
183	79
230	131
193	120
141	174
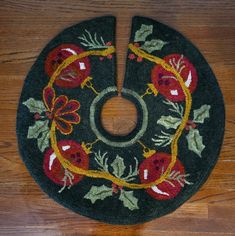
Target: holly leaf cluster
151	45
40	129
118	169
194	139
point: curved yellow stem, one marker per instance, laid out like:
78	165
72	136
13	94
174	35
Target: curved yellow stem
73	58
174	148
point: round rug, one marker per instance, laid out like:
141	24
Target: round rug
120	179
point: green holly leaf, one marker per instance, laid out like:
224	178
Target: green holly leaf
118	166
169	122
143	32
199	115
98	192
195	143
35	106
39	127
153	45
129	200
43	140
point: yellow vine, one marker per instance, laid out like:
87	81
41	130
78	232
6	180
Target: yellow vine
105	175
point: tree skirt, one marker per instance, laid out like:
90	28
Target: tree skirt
120	179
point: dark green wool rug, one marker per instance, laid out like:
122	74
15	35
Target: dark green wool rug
120	179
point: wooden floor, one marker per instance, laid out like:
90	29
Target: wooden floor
25	28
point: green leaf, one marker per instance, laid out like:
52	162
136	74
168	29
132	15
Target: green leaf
43	141
153	45
35	106
195	141
169	122
199	115
129	200
39	127
98	192
143	32
118	166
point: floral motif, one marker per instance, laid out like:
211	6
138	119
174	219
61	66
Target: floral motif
61	110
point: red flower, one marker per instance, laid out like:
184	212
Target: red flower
61	110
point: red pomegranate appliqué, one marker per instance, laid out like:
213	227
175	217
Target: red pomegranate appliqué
75	73
153	168
166	82
73	152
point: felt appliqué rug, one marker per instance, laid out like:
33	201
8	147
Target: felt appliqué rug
120	179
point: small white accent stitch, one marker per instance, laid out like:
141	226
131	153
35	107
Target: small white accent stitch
145	174
82	65
157	190
189	79
174	92
64	148
69	50
52	158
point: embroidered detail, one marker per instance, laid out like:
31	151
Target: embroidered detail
174	148
155	167
153	45
143	33
100	136
166	82
148	46
118	166
72	75
40	130
75	154
195	143
118	169
194	139
91	42
97	174
61	110
98	193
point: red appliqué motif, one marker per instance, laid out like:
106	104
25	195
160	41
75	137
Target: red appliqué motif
74	74
74	153
166	82
154	167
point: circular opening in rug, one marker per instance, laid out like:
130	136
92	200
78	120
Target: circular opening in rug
119	116
118	140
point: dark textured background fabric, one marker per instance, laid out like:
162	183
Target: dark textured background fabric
137	76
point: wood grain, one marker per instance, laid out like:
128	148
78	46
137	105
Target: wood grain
25	28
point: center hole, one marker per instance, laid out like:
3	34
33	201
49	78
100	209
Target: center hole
119	116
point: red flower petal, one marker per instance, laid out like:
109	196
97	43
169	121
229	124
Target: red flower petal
48	97
72	118
59	104
64	127
70	107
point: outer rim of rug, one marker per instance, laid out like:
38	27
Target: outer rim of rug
114	220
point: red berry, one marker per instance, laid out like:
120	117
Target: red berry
136	45
131	56
49	115
101	58
152	168
139	59
166	82
37	116
74	153
108	43
110	56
